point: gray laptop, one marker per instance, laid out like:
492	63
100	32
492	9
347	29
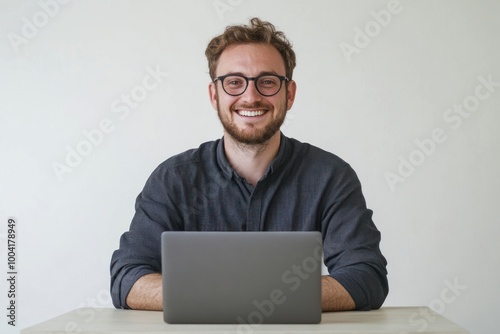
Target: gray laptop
241	277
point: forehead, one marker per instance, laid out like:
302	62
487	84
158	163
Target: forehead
250	59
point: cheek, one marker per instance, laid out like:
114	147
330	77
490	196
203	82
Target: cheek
224	103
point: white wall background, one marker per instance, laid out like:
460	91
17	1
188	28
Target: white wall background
63	65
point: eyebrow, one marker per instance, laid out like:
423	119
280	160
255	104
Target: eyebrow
243	75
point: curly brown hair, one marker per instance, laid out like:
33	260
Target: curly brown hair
257	32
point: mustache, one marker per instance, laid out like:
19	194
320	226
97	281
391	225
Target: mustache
256	105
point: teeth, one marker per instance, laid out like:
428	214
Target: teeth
250	113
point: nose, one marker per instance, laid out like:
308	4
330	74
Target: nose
251	93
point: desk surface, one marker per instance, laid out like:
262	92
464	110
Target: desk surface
400	320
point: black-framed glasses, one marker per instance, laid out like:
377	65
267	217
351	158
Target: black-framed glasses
266	84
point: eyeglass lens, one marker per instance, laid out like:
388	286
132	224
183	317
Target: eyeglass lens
266	85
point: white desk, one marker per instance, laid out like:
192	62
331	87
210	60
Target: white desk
400	320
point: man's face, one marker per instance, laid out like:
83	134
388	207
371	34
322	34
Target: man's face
251	118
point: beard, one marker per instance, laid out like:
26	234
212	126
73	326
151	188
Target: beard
253	135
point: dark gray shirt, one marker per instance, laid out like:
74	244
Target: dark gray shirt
304	189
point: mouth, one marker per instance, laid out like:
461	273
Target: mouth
250	113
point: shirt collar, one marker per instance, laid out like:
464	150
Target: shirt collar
222	160
284	154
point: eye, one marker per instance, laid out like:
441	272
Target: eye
234	82
269	82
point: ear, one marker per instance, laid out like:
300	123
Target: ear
212	93
290	94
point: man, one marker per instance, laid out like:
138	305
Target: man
254	179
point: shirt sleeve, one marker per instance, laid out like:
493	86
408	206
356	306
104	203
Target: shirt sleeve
139	252
351	242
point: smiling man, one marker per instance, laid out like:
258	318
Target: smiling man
254	179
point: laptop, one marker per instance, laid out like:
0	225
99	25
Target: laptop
244	278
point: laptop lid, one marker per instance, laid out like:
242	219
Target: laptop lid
241	277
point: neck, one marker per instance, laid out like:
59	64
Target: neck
251	161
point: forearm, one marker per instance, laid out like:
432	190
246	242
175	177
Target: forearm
146	293
334	297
